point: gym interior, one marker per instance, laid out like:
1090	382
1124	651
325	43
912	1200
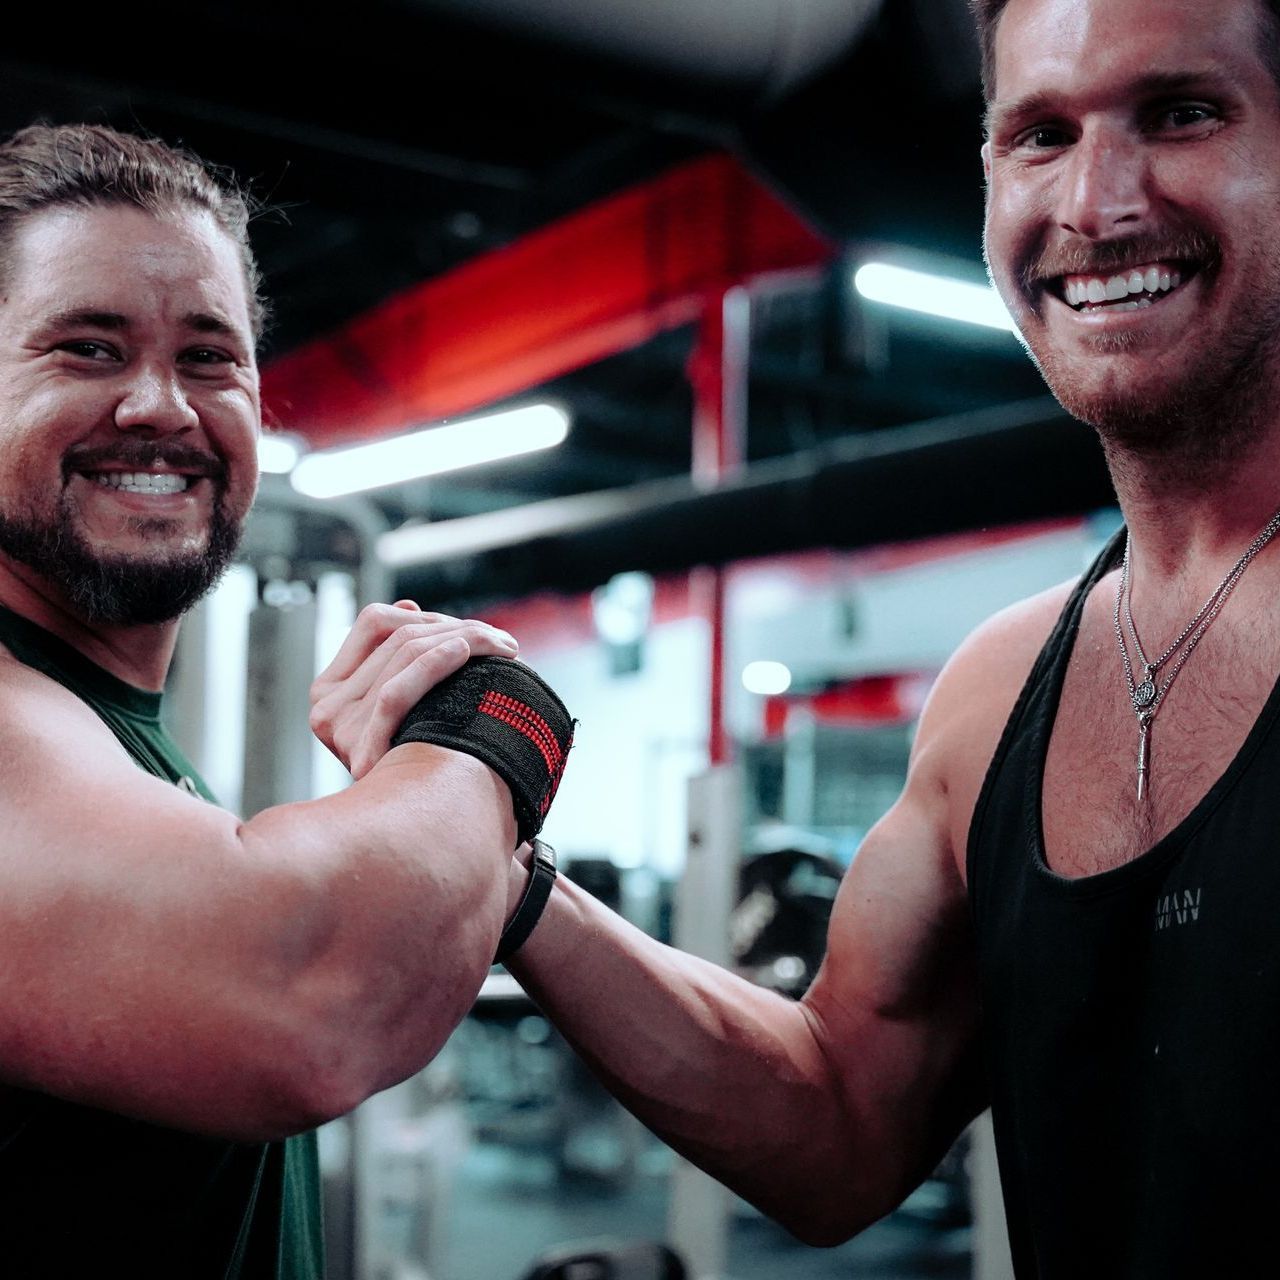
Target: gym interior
666	328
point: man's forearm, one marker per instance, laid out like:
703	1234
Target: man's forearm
729	1074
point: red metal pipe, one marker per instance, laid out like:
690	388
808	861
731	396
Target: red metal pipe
599	281
718	374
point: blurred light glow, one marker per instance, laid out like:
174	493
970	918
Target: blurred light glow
766	678
933	295
622	607
329	473
278	453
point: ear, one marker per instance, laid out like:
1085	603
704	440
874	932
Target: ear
986	161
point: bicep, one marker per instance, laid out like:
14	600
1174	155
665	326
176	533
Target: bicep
895	1005
895	1002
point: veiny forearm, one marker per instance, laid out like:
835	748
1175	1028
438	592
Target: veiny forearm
732	1076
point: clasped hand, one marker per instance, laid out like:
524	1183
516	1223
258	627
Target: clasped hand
394	655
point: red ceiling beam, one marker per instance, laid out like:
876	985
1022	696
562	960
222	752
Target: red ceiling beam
597	282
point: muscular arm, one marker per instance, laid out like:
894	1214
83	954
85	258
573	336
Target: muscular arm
162	959
825	1112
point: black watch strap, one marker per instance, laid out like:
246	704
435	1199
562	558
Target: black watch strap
542	875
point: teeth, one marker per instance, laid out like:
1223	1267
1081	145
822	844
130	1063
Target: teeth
1145	281
143	481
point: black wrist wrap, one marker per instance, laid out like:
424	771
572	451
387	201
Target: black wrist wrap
503	713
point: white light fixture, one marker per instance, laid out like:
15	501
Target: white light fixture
329	473
933	295
766	678
278	453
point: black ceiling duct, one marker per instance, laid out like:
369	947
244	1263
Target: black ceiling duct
1018	463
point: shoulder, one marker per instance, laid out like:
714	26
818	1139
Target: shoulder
37	715
971	702
61	765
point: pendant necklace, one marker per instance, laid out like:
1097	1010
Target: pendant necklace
1147	695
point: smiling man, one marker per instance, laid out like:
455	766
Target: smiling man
1068	914
183	996
136	526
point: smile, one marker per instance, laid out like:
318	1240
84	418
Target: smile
1132	289
157	482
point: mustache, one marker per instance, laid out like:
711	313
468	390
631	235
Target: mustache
1107	257
144	455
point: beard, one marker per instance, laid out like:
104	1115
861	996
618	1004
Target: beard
120	590
1221	399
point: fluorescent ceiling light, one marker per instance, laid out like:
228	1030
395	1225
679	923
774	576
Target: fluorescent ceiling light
933	295
330	473
278	453
766	678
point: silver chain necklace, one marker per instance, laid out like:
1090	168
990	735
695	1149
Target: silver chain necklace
1147	696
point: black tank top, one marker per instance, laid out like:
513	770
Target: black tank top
84	1192
1132	1018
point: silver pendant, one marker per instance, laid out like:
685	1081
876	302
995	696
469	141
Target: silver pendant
1144	695
1144	754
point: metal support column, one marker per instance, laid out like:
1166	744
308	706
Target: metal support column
698	1215
277	733
698	1212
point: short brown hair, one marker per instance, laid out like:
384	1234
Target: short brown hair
45	165
986	13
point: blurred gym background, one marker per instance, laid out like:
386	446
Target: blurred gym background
718	417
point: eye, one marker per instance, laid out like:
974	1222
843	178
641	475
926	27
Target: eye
209	356
89	349
1041	137
1180	117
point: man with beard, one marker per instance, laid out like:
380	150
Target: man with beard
1069	913
185	994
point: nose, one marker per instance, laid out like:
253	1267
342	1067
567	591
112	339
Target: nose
155	402
1103	190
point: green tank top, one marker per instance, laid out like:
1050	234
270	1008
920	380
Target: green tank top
82	1190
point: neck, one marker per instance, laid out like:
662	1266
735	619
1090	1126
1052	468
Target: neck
138	655
1184	519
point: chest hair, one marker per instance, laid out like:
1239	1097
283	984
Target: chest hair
1092	818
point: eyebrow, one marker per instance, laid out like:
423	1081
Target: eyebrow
86	318
206	322
92	318
1153	85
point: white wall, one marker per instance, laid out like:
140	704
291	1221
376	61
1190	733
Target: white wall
641	736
